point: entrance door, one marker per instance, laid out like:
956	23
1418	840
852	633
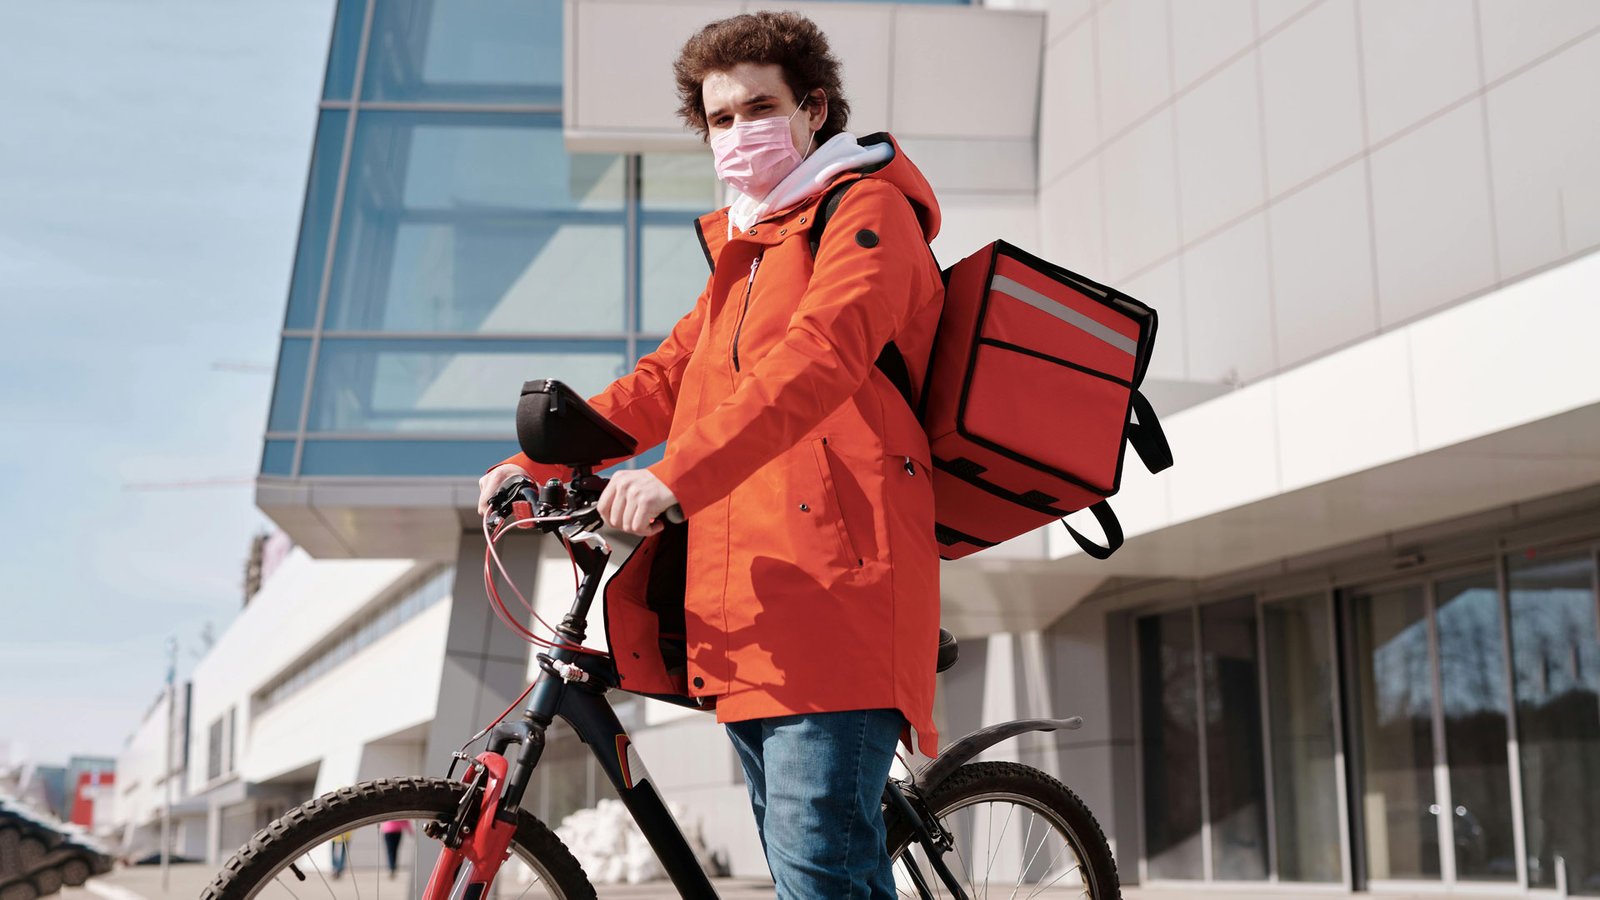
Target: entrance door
1428	709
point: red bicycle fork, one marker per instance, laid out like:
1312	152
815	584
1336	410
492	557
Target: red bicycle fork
482	839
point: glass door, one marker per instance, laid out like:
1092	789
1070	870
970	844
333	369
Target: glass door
1396	800
1430	732
1556	659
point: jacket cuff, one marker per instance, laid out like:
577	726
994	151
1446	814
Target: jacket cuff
693	494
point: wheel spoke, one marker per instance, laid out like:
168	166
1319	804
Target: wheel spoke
318	870
1027	836
1078	854
350	863
286	887
1056	879
1052	864
530	884
992	854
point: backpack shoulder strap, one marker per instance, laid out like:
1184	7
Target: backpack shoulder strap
825	211
890	360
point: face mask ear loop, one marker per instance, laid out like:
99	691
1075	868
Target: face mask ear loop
812	139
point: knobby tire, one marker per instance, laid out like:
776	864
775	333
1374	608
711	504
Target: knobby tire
974	781
264	857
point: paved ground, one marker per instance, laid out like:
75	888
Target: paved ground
186	882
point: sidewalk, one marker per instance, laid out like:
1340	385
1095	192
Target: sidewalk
144	883
187	881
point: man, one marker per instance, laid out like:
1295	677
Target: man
811	598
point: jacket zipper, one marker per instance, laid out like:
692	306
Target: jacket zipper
739	326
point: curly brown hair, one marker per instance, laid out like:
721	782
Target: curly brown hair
791	41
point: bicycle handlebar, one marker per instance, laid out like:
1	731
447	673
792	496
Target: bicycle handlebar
552	509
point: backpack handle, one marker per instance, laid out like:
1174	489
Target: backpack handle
1108	524
1146	436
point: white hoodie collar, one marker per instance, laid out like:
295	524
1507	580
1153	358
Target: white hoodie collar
841	153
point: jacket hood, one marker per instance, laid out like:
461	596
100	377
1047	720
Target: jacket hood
904	174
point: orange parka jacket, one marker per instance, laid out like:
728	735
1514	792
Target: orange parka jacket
809	579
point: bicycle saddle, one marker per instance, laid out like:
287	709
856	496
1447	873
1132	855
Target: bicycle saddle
948	651
556	427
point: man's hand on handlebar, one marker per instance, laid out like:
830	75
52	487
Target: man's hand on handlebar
490	483
635	501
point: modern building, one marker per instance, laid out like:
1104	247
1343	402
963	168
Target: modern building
151	790
1352	644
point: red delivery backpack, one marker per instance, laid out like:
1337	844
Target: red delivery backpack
1031	397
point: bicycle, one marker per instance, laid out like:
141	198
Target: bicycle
947	809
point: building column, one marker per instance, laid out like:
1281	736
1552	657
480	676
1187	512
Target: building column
485	664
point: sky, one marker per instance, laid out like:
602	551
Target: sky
153	157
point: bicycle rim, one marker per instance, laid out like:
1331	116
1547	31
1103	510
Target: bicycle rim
1006	844
366	875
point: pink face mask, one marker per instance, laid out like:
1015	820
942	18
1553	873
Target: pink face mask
752	157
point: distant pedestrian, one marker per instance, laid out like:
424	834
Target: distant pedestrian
341	853
392	831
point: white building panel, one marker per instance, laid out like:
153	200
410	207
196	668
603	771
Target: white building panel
1135	67
295	610
1544	141
1418	56
1519	32
1311	89
1504	404
387	687
1219	150
1518	355
1273	14
937	54
1072	223
1207	36
619	66
1322	281
1141	197
1069	121
1431	213
1342	414
1228	305
973	221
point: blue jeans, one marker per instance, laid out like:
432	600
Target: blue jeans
816	784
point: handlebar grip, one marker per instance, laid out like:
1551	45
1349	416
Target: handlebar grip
674	514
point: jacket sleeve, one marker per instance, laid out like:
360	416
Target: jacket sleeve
861	294
641	402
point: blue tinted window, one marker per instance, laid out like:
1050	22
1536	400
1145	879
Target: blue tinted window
433	386
289	390
477	223
674	190
316	221
403	458
344	49
277	458
483	51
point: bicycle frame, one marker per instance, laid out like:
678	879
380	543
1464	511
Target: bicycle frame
572	686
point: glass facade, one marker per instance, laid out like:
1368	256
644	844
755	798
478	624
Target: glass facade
1169	706
451	248
1462	709
1304	742
1555	651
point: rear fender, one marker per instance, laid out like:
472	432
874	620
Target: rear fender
962	751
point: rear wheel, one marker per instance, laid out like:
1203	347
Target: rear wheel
335	847
1015	829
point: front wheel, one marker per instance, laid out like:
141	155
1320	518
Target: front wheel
370	837
1015	829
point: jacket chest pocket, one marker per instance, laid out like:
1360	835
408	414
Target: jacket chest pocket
844	516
